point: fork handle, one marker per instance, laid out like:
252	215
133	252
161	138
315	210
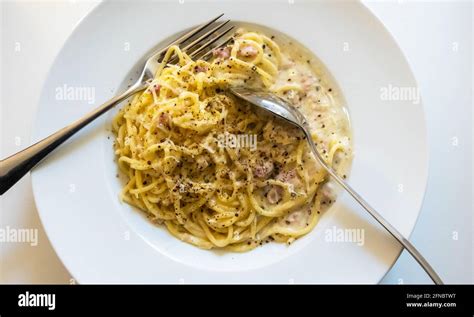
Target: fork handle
391	229
14	167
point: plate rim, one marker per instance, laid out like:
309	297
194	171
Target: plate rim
99	6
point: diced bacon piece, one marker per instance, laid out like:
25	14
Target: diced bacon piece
274	194
308	82
328	192
157	88
294	216
248	51
285	176
200	69
222	52
289	177
164	120
264	169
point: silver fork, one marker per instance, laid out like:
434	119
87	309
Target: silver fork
198	41
281	109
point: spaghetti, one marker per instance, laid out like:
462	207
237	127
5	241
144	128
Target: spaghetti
214	171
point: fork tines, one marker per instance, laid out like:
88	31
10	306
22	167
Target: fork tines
201	41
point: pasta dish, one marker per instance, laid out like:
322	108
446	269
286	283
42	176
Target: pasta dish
216	172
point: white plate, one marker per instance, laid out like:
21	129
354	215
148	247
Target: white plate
101	240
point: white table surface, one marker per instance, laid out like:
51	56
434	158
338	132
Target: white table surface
436	37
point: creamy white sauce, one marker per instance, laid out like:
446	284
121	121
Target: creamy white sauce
321	102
